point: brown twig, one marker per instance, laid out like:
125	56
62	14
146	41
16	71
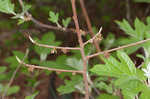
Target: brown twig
14	75
46	68
93	38
118	48
49	46
28	15
81	49
89	24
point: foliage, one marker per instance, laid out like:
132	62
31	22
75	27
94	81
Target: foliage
140	32
14	63
107	96
142	1
119	73
48	39
66	22
53	17
7	7
71	85
11	90
32	96
127	76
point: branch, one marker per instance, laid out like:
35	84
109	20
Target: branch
46	68
94	37
89	24
85	78
30	17
13	75
49	46
118	48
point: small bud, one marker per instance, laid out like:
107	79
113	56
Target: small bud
53	51
31	69
83	32
106	55
27	18
99	37
58	72
73	73
65	51
26	35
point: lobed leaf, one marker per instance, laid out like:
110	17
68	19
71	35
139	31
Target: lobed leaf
7	7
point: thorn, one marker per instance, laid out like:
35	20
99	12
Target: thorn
31	39
18	59
100	30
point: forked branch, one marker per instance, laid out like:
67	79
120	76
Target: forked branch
94	37
30	17
85	78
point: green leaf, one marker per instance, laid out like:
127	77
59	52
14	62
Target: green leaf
125	26
148	20
14	63
128	40
114	68
131	87
140	29
145	93
142	1
12	90
71	85
109	41
3	76
59	63
66	22
2	69
140	32
124	58
12	59
32	96
74	63
103	86
107	96
26	8
53	17
7	7
48	39
20	21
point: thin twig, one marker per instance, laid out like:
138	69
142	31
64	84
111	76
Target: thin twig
47	25
14	75
89	24
49	46
46	68
81	49
93	38
118	48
